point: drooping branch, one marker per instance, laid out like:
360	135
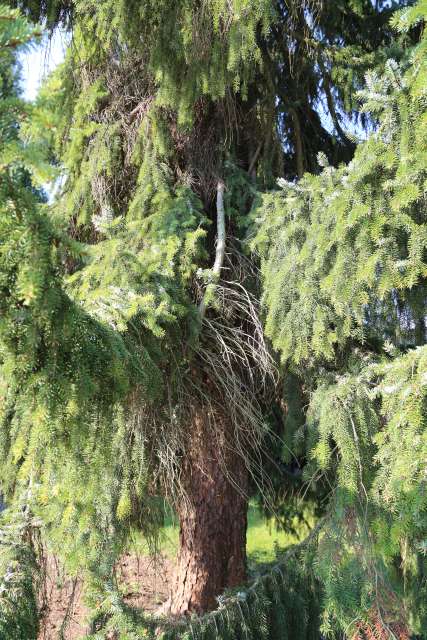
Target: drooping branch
331	104
251	170
298	142
220	244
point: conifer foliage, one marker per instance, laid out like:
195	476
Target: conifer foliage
130	367
344	288
62	374
18	568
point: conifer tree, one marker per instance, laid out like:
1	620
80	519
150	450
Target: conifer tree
133	353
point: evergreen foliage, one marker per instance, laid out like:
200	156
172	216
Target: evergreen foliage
351	251
98	312
344	271
18	568
291	61
102	350
62	376
19	576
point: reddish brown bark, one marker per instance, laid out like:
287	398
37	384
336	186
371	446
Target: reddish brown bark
213	518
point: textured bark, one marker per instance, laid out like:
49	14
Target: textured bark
212	553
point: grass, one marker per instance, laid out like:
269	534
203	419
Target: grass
262	540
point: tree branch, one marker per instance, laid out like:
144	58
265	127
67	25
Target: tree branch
299	151
331	104
220	243
251	170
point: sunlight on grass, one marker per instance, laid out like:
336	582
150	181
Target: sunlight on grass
263	537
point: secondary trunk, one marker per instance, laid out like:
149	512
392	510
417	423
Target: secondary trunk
213	517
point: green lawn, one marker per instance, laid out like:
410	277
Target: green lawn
263	537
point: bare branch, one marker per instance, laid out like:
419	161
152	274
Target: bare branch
220	243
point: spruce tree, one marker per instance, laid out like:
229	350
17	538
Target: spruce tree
133	355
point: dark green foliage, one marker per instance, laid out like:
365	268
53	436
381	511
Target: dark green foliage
18	568
97	335
289	63
352	248
63	375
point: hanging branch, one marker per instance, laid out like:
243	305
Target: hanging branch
228	614
220	245
298	142
331	105
251	170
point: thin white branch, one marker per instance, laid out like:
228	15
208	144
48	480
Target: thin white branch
220	242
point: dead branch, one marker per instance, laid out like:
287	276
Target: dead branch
220	243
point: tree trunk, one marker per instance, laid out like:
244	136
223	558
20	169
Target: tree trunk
213	517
